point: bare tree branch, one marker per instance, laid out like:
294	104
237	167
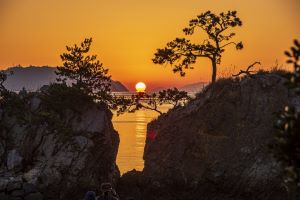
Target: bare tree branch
247	72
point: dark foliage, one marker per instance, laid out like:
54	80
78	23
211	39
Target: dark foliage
181	53
59	97
123	104
85	71
3	78
13	103
286	147
90	80
169	96
172	96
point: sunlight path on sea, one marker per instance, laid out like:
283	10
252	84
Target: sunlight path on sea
132	128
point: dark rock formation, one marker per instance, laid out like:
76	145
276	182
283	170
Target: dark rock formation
48	156
216	148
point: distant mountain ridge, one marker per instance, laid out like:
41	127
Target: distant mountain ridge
193	87
33	77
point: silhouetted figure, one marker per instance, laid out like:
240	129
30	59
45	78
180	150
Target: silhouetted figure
90	195
108	193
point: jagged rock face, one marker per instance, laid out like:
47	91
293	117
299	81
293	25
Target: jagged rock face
218	144
39	161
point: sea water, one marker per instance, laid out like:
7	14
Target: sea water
132	128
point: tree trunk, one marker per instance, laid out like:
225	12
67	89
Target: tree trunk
214	71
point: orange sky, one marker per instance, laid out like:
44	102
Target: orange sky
126	33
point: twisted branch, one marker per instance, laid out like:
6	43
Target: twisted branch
247	71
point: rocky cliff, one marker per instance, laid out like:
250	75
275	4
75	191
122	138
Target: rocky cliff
48	152
217	146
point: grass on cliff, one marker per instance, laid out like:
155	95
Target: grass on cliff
222	83
225	81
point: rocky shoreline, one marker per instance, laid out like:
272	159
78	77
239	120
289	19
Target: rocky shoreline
215	148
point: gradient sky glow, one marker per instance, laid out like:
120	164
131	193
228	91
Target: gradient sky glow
127	33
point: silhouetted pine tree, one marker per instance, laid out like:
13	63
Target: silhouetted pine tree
169	96
85	71
181	54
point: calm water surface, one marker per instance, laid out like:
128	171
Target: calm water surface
132	129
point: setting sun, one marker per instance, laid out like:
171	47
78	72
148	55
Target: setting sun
150	100
140	87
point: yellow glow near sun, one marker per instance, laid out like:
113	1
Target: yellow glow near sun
140	87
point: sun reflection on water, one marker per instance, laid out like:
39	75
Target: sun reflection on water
132	128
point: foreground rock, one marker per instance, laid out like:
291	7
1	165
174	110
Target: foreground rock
44	156
215	148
